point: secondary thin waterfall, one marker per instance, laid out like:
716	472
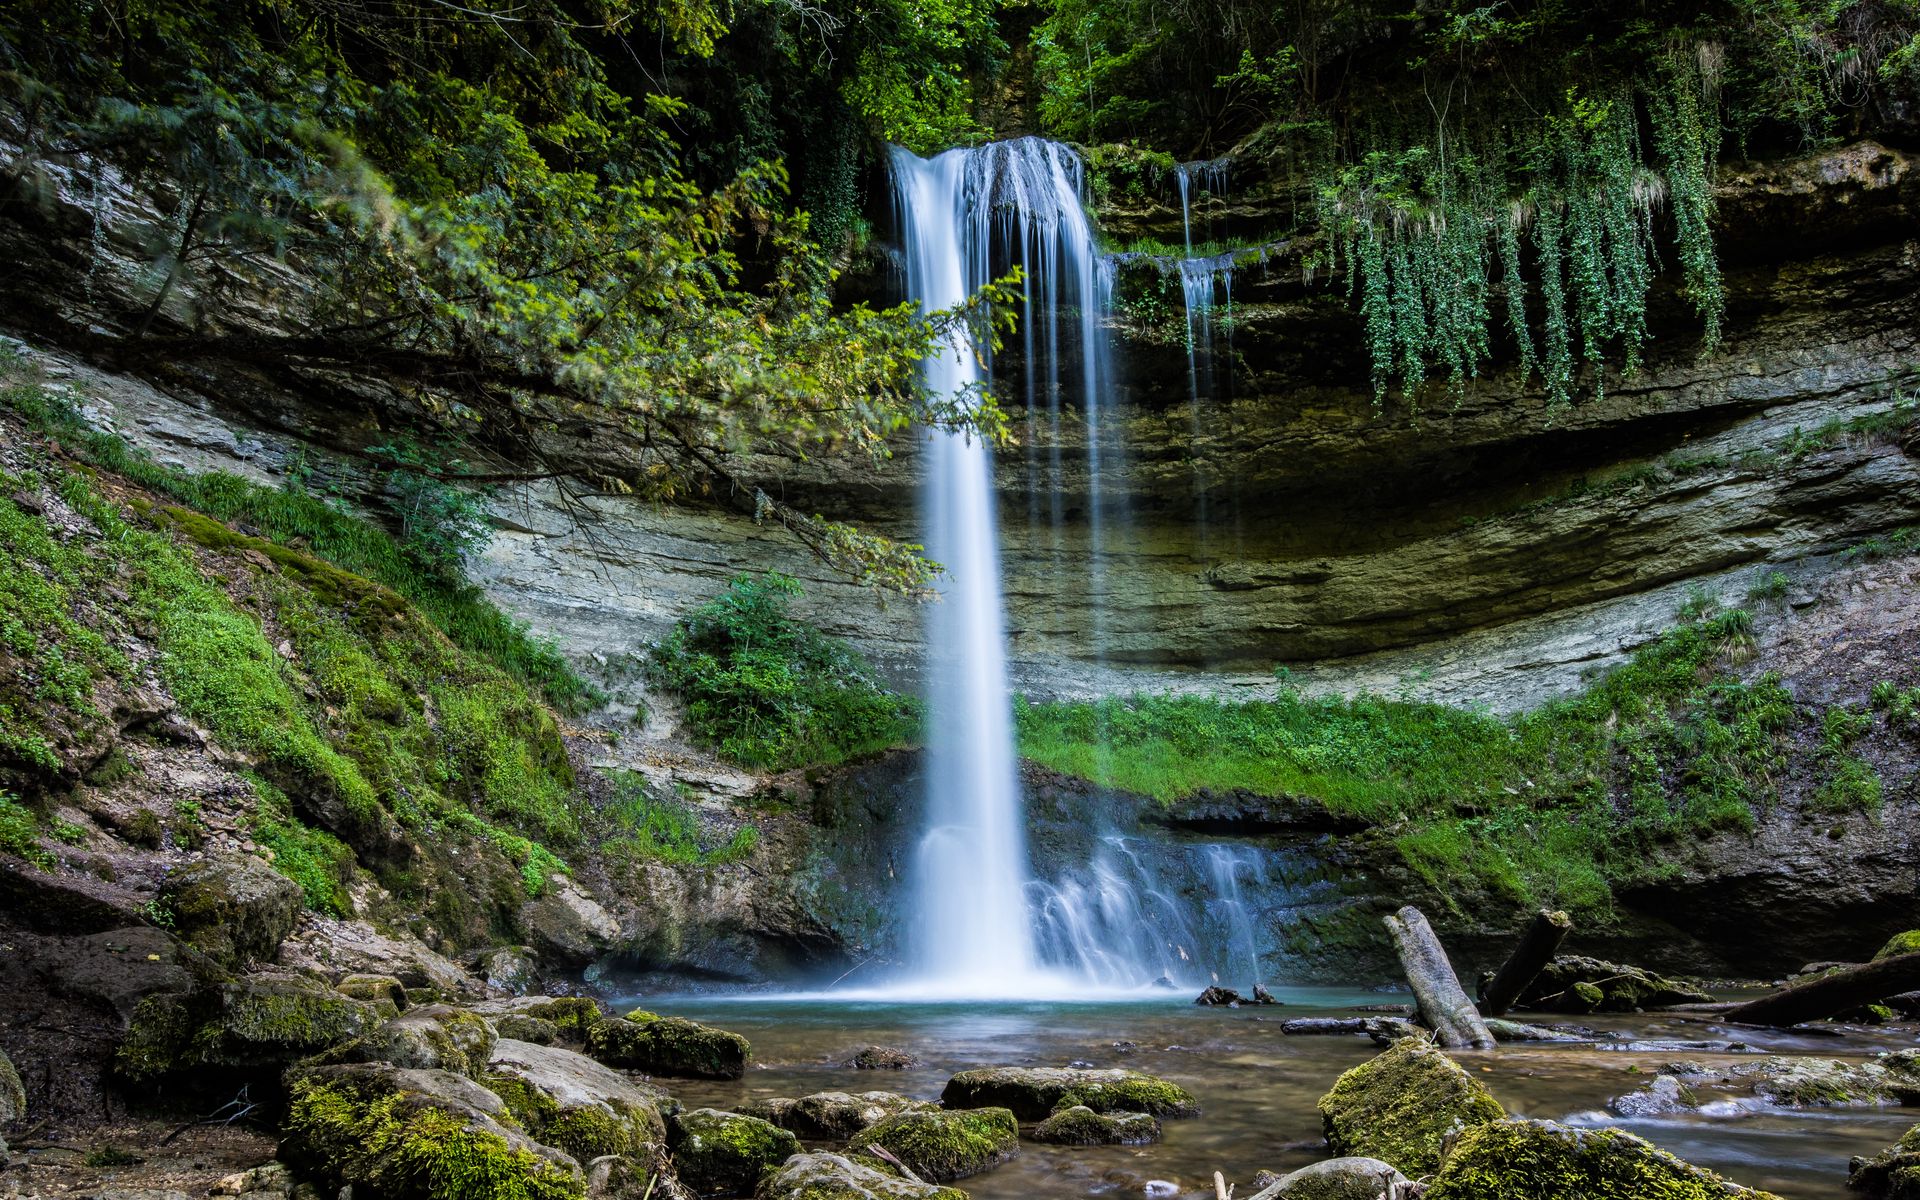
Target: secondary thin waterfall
965	217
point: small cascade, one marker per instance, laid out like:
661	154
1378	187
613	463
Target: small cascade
1199	279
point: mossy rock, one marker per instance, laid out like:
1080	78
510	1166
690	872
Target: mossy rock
1539	1160
431	1037
1034	1093
527	1029
720	1153
235	910
1081	1126
1892	1174
882	1058
255	1022
1403	1105
1796	1082
1575	984
943	1145
570	1017
644	1041
832	1116
13	1093
1900	943
404	1134
839	1177
375	989
1341	1179
570	1101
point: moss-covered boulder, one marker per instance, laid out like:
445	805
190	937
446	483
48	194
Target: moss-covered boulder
1034	1093
527	1029
1340	1179
1575	984
939	1145
13	1093
1783	1080
832	1116
644	1041
570	1101
253	1023
1892	1174
404	1134
837	1177
234	909
1539	1160
431	1037
1900	943
511	969
376	990
1081	1126
882	1058
720	1153
1403	1105
570	1017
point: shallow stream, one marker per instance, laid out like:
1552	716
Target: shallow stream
1258	1086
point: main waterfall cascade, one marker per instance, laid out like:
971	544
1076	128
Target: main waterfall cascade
983	925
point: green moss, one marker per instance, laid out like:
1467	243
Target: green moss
1082	1126
725	1153
248	1024
398	1148
644	827
1135	1093
316	860
573	1016
1900	943
529	1105
940	1146
1403	1105
20	833
645	1041
143	829
1525	1160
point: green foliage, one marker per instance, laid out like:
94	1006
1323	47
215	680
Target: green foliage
768	690
1897	544
1559	805
316	860
20	832
440	524
643	828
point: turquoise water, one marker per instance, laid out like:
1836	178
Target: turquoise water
1258	1087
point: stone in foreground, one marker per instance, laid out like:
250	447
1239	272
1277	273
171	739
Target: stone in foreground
1035	1093
724	1154
836	1177
1402	1107
1343	1179
572	1102
416	1135
1081	1126
644	1041
832	1116
1892	1174
941	1146
1539	1160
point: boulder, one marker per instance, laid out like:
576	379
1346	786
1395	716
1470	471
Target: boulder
570	1016
1892	1174
1219	997
1575	984
837	1177
882	1058
538	1030
941	1146
256	1022
404	1134
511	969
635	1177
572	1102
1539	1160
234	909
431	1037
1344	1179
1792	1082
1663	1094
1081	1126
375	990
1900	943
1034	1093
13	1093
330	946
644	1041
832	1116
567	927
1403	1105
720	1153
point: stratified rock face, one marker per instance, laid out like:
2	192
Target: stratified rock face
837	1177
1403	1107
943	1146
1538	1160
1034	1093
644	1041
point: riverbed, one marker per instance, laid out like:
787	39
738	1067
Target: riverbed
1258	1086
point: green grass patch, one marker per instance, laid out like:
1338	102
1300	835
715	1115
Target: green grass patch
20	832
293	515
643	828
767	690
1558	805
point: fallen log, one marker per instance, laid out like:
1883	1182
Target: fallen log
1538	944
1385	1030
1443	1002
1831	995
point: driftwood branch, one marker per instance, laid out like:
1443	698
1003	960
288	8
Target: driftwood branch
1538	945
1833	994
1443	1002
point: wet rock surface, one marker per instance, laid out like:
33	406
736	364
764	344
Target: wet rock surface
1404	1106
1034	1093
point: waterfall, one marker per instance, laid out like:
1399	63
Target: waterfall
981	924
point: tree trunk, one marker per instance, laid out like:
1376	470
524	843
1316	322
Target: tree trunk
1443	1002
1538	945
1833	994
